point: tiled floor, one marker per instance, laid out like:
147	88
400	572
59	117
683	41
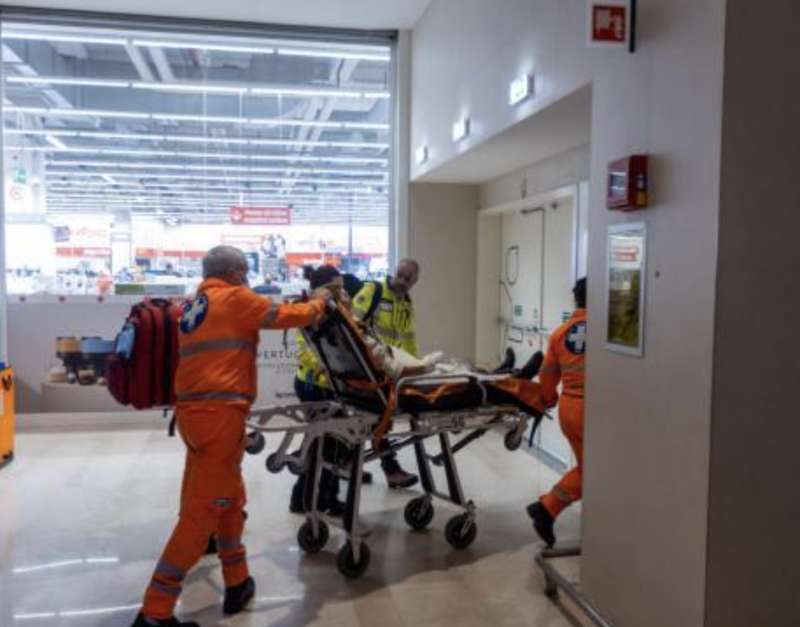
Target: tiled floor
83	517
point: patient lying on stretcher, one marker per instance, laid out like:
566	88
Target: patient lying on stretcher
515	388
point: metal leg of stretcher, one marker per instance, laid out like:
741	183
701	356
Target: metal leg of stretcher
554	581
354	556
460	530
312	483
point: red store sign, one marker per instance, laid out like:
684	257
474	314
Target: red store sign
275	216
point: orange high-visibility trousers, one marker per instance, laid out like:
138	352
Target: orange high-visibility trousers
569	489
212	501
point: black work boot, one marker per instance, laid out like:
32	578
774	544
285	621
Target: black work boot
508	362
141	621
237	597
531	369
543	522
396	477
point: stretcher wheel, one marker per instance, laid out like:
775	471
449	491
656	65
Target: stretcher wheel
308	541
460	531
274	463
513	440
346	563
256	442
419	513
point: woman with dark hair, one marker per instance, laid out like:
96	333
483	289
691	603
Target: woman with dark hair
311	385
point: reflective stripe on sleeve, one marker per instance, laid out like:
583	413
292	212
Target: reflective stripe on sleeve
218	345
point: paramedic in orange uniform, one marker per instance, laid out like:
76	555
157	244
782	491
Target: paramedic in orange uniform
215	385
564	363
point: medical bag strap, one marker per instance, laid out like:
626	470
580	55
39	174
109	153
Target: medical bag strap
377	296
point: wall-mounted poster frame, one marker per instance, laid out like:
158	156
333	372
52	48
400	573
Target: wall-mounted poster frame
626	258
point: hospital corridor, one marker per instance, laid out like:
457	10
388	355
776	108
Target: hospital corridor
399	313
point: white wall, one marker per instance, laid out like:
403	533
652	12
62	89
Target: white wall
558	171
648	420
465	53
443	238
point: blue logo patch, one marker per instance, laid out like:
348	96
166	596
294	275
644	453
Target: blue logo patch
194	313
576	339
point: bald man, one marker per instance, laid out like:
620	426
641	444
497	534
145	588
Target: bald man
387	308
215	385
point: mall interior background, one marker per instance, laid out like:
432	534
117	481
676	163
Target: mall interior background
681	526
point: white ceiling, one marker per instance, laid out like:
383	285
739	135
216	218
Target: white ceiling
359	14
558	128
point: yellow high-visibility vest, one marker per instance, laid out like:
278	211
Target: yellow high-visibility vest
393	317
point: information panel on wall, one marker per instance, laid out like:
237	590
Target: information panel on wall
626	257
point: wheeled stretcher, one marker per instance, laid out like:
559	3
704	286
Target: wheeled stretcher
374	416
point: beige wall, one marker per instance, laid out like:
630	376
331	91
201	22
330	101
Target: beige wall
754	518
488	290
648	420
443	238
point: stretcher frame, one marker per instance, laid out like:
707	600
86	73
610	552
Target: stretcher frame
555	581
354	427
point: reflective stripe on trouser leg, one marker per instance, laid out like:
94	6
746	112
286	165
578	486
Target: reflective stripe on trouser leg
232	553
212	500
569	489
184	549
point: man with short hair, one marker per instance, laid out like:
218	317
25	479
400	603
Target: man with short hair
565	364
387	308
215	385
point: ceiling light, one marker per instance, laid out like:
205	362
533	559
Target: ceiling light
282	180
235	89
50	37
189	87
521	88
422	155
199	155
201	168
461	129
155	137
78	82
334	54
55	141
55	112
189	45
108	179
322	93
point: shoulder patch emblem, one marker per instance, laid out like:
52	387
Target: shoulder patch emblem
194	313
575	340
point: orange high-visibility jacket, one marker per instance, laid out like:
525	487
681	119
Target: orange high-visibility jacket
565	360
218	340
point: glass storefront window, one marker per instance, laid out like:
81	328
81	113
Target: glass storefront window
130	151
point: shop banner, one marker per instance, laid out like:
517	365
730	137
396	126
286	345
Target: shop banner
278	216
277	365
